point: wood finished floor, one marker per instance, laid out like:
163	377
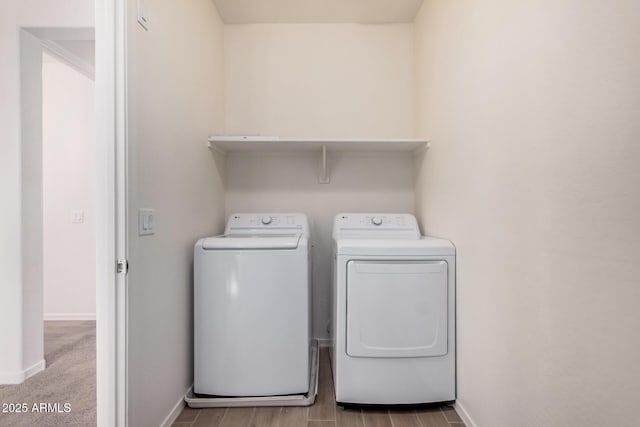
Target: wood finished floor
324	413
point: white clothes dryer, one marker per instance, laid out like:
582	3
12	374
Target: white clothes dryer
393	311
252	308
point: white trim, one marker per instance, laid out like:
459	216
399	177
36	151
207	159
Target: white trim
110	295
69	316
37	367
66	57
175	412
468	421
21	376
120	230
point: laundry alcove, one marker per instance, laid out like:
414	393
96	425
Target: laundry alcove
319	118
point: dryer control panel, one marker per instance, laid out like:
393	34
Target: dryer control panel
267	223
376	225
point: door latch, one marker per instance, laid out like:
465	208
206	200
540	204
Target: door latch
122	266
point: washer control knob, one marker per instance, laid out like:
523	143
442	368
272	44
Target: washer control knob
376	220
266	220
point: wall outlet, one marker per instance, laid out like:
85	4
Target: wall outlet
146	221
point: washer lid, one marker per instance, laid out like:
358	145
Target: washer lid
394	247
248	241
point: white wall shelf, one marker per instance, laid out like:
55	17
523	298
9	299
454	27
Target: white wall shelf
240	144
270	144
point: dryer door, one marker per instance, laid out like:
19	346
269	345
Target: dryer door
396	308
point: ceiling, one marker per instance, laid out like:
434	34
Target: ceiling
317	11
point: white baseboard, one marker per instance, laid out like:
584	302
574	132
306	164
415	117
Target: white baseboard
37	367
175	412
69	316
20	376
468	421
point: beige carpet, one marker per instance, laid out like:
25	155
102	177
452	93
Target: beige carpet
70	378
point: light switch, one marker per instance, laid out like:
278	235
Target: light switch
146	219
77	217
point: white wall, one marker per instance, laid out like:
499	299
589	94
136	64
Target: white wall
68	146
319	80
534	112
175	101
313	81
272	183
20	290
31	198
10	257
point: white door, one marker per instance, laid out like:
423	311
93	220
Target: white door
396	308
111	186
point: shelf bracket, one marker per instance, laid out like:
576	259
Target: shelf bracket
324	176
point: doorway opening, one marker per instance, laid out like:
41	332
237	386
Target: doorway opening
69	226
59	198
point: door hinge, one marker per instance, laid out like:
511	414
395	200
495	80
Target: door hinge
122	266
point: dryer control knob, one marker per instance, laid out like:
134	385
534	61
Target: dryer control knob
266	220
376	220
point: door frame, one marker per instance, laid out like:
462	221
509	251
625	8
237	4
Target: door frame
111	185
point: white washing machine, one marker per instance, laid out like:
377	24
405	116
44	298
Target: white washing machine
252	307
393	311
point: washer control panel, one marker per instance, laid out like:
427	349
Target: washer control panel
261	223
376	220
